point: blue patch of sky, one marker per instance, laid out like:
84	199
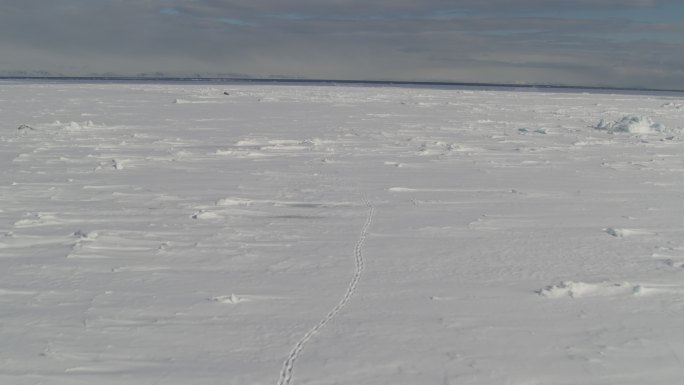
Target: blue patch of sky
667	14
429	15
672	13
633	37
236	22
510	32
169	11
447	14
224	20
295	16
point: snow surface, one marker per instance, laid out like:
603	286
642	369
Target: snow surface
172	234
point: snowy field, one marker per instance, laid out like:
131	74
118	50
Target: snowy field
282	234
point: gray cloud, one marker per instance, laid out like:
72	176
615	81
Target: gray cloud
466	40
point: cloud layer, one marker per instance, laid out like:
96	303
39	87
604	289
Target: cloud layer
580	42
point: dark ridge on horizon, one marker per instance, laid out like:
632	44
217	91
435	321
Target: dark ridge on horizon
337	81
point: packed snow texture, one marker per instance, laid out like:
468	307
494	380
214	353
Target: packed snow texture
270	234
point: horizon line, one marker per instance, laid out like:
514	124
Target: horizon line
340	81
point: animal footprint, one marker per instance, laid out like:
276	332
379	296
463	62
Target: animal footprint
670	260
671	256
673	263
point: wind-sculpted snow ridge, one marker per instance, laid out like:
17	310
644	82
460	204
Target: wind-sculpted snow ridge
289	364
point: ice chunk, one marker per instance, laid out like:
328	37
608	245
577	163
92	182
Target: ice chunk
632	124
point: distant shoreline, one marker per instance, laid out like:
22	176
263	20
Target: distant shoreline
430	84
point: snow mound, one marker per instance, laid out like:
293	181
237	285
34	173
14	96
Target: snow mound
80	234
205	215
231	201
229	299
526	130
73	126
621	233
582	289
672	105
632	124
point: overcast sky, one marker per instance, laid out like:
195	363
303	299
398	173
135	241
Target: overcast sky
575	42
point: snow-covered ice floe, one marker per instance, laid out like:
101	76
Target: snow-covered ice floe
289	234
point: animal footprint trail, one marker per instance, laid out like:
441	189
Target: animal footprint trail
289	364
